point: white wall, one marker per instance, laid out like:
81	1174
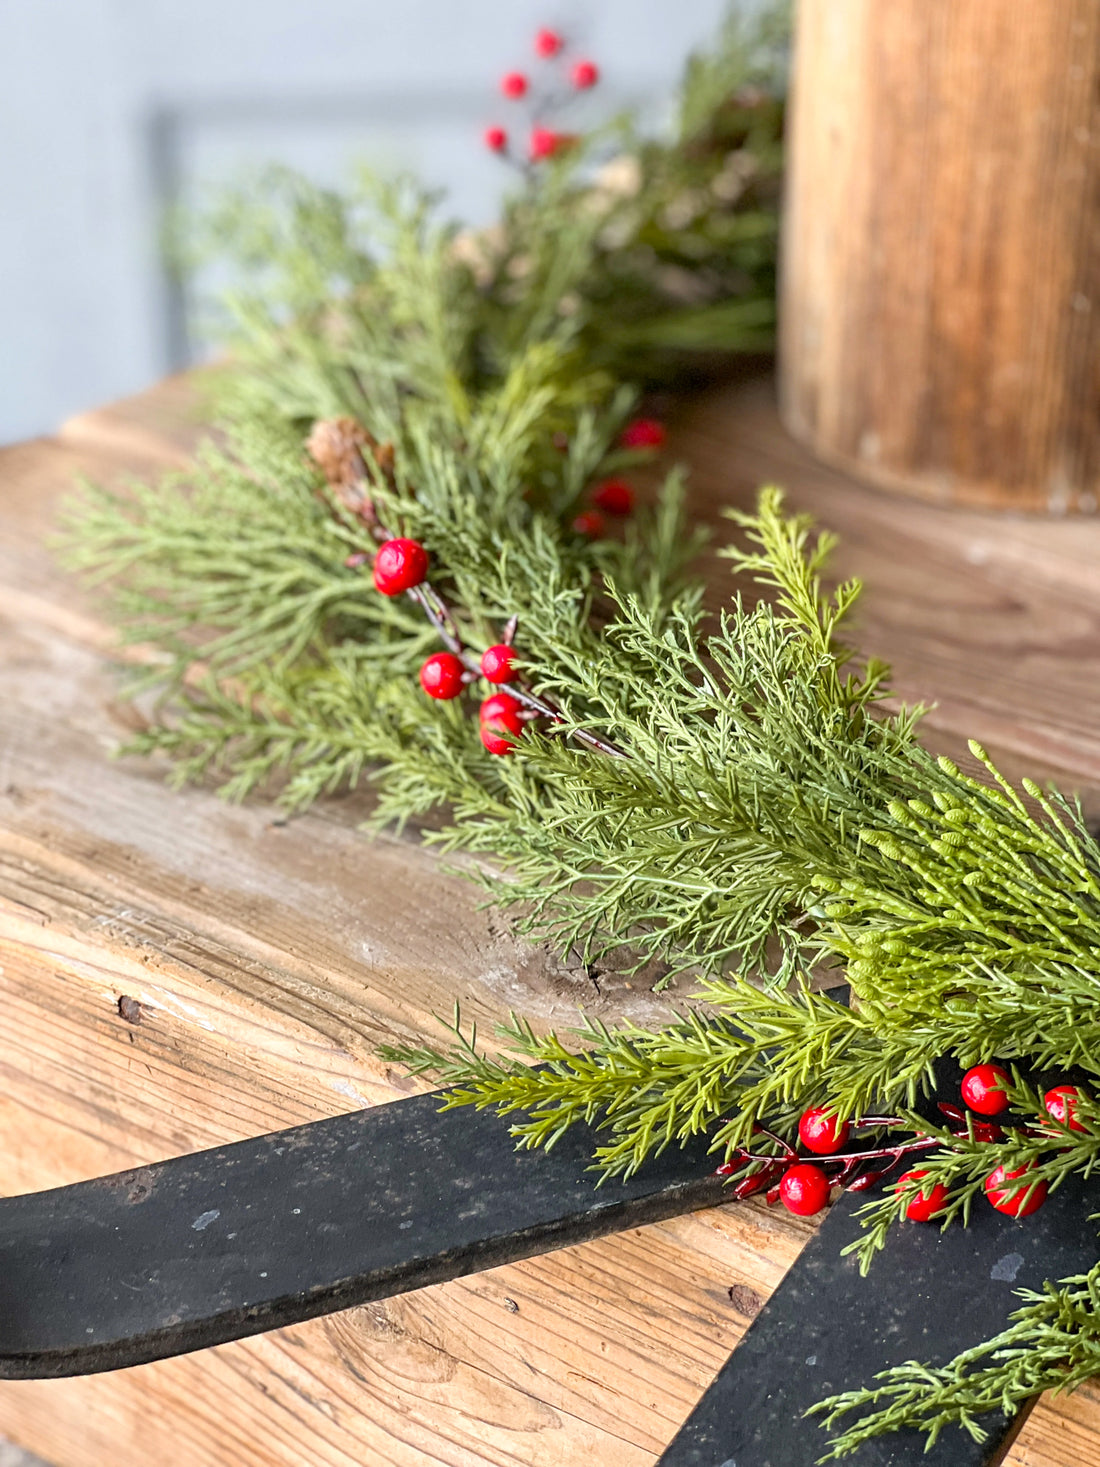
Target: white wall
110	108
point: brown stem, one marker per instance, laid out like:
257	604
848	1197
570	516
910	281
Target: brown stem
438	613
441	620
845	1156
788	1149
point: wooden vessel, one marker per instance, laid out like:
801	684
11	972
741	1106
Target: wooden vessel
940	308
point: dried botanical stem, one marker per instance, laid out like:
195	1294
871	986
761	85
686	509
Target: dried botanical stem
353	492
846	1156
435	609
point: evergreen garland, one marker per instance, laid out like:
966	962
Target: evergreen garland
754	819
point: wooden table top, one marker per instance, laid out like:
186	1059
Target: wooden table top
265	960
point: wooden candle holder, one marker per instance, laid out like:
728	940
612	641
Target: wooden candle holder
940	307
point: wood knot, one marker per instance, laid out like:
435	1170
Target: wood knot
745	1300
130	1010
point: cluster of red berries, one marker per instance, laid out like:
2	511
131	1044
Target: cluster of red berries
543	142
804	1186
983	1091
444	676
401	565
616	496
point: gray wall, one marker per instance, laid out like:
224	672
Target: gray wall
111	108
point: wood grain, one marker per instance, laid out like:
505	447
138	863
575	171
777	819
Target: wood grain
263	962
941	273
992	623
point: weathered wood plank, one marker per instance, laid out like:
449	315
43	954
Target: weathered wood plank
993	619
162	425
265	984
269	960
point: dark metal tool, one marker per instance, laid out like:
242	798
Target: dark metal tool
928	1296
244	1238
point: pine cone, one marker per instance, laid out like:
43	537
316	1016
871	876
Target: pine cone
338	446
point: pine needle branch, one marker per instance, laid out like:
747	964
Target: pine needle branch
1053	1343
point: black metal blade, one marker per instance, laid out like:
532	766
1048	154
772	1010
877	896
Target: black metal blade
230	1242
825	1329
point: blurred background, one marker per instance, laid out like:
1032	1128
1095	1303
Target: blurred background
114	112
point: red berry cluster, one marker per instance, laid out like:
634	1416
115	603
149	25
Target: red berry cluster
981	1088
543	142
803	1186
615	496
500	715
984	1091
401	565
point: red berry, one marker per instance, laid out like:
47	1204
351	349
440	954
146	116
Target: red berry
1060	1105
804	1189
589	522
821	1132
544	143
399	565
548	43
499	718
1019	1201
981	1089
499	705
495	139
925	1205
585	74
643	433
514	84
498	663
615	496
547	144
441	675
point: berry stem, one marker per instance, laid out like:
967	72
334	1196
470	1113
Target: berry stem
439	615
843	1156
788	1150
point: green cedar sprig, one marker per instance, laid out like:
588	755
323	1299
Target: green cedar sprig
1052	1343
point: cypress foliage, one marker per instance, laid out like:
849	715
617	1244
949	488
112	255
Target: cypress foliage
767	821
